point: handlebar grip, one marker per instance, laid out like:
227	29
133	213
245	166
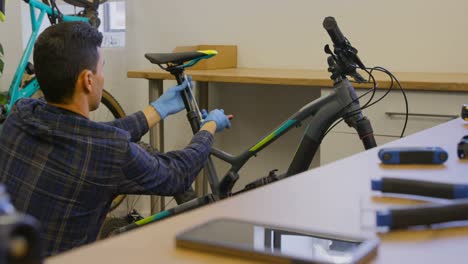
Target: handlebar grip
422	215
418	187
329	23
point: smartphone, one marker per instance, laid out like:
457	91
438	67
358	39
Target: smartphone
276	244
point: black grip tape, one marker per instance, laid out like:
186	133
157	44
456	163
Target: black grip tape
426	215
416	187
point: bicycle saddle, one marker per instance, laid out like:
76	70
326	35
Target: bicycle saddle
178	58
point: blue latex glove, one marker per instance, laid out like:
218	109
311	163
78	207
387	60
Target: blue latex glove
218	116
171	101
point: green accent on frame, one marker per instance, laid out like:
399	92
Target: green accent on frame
273	134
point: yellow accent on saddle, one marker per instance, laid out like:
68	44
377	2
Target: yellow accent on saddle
208	52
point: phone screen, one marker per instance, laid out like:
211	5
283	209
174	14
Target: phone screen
267	240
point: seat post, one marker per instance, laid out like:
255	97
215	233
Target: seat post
192	115
194	121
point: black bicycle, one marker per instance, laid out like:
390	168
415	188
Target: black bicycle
323	114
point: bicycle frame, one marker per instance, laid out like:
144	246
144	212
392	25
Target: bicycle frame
15	92
322	111
342	102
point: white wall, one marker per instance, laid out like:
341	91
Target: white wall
417	35
11	39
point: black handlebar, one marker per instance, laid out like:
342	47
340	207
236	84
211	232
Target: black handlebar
344	60
334	31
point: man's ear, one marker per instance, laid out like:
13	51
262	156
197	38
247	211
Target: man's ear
85	81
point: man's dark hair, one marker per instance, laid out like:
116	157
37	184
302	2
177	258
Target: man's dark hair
61	53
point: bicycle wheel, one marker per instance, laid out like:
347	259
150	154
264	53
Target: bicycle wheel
108	110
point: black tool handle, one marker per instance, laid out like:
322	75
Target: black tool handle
428	214
417	187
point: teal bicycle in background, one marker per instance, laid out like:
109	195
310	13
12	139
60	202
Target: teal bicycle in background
24	83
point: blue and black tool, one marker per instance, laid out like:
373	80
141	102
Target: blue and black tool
422	188
413	155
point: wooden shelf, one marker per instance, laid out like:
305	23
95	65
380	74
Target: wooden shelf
453	82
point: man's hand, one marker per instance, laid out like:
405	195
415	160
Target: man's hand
218	117
171	101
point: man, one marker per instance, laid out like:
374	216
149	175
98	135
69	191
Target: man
65	169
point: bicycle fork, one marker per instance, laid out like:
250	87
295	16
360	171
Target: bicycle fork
354	118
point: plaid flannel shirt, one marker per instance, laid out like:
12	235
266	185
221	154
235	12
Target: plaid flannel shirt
65	170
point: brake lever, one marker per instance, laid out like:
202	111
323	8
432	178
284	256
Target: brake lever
358	77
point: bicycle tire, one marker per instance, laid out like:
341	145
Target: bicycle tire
113	106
